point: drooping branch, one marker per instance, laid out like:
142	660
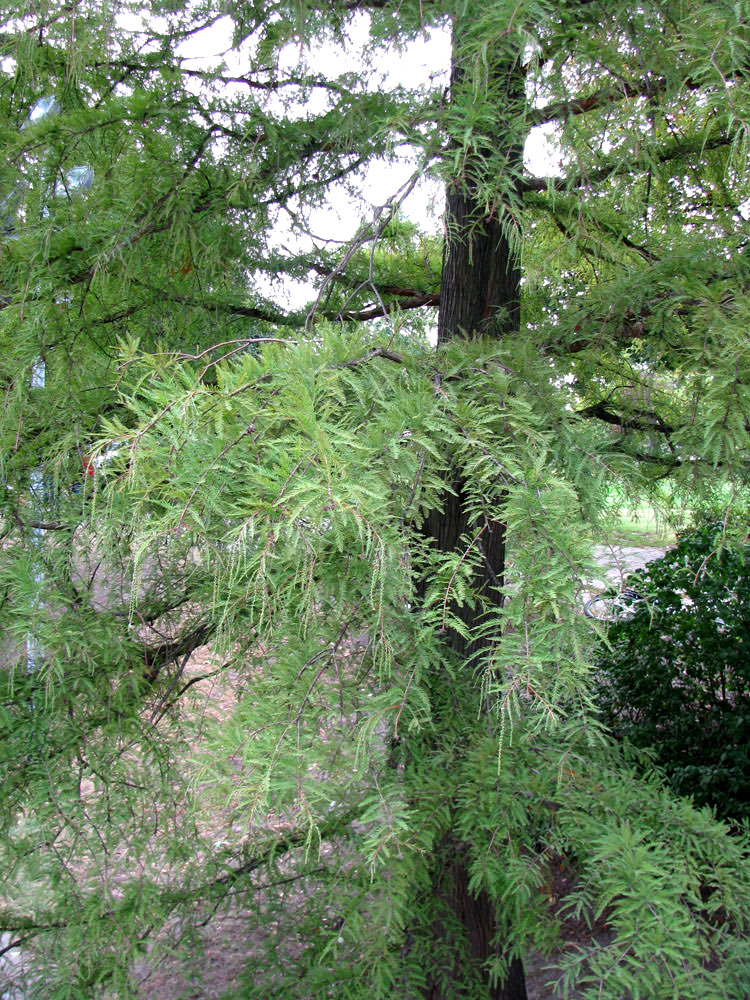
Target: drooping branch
606	97
639	420
151	222
638	163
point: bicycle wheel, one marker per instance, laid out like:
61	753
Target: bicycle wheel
620	607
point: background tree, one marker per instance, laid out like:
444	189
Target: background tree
383	544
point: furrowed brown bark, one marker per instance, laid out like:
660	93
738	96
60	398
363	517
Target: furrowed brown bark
479	296
476	912
479	288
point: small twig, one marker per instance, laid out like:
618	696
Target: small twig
238	340
414	487
377	352
202	478
403	702
453	577
160	710
17	942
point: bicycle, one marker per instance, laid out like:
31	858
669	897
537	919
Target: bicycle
619	607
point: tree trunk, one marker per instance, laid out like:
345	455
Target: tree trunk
479	296
476	913
481	276
480	283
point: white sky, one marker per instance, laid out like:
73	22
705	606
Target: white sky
413	68
424	62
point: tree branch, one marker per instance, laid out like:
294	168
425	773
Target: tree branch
639	420
377	352
618	167
285	844
562	110
155	658
418	302
200	74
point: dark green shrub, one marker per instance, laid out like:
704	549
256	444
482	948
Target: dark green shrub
677	676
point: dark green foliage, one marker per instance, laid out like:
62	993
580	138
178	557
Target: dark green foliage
677	676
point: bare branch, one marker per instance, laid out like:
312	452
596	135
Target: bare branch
378	352
368	232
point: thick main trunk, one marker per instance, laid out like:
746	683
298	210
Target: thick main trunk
445	528
476	913
479	296
479	287
481	275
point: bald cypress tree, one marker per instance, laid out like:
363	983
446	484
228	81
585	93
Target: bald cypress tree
291	598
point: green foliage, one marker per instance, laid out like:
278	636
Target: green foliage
226	692
682	881
676	677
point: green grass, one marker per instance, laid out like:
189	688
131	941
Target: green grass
642	525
